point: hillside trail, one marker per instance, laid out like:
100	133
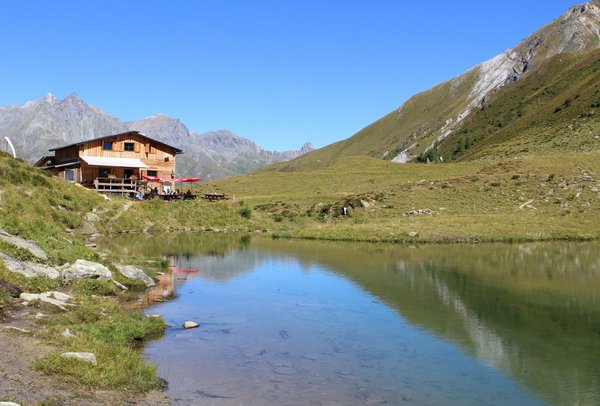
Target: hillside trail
121	211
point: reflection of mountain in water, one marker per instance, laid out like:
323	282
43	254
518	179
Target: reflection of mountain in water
531	310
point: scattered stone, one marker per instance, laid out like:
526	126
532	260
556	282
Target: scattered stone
526	204
190	324
413	234
153	316
531	207
443	209
67	334
20	330
426	212
365	204
9	404
587	178
83	356
120	285
133	272
83	269
92	217
57	299
28	246
29	269
40	315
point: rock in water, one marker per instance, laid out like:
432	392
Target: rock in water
190	324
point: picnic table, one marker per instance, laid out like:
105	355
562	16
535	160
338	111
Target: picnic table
176	197
215	196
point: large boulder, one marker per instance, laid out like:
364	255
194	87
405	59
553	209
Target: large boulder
28	246
83	269
133	272
29	269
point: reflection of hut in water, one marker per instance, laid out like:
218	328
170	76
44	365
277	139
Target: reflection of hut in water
164	290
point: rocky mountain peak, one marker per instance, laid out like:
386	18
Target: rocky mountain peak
50	98
50	122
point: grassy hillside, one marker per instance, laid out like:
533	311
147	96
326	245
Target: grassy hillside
555	110
423	114
536	198
37	207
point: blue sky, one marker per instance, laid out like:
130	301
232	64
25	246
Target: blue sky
277	72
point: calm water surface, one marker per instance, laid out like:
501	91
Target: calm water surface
307	323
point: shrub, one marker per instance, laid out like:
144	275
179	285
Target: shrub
246	212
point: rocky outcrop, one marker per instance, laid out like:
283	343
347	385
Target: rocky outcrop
29	269
83	269
133	272
58	299
575	31
23	244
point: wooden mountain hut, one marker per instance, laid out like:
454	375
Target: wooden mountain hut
114	163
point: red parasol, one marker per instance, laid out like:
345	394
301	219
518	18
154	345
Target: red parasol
187	179
154	178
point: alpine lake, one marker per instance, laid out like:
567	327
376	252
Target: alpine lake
289	322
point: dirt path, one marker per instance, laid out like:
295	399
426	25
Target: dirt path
123	209
21	383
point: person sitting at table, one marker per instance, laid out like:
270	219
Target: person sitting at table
140	195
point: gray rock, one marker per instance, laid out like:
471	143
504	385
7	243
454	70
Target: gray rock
120	285
58	299
83	269
29	269
19	242
20	330
67	334
83	356
92	217
133	272
9	404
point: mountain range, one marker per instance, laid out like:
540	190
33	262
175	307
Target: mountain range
540	97
48	122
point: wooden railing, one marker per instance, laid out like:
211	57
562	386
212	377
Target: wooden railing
115	185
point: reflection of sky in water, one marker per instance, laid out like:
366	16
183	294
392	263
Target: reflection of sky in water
275	331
